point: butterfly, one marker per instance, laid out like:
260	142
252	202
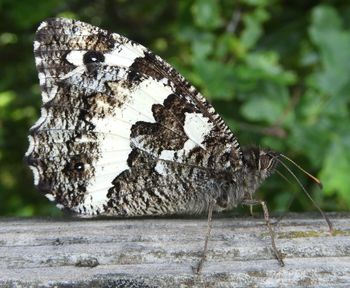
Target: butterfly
122	133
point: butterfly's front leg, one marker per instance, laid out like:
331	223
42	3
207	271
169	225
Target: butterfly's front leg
251	202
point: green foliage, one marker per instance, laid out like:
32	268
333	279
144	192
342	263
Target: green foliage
277	71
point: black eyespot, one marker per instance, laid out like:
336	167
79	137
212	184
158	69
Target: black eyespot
93	57
79	167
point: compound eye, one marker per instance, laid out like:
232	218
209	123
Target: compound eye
265	161
93	57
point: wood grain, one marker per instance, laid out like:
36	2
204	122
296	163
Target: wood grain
161	252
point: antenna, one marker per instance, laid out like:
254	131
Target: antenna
305	191
283	177
290	200
303	170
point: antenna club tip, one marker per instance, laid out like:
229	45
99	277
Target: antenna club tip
315	179
330	226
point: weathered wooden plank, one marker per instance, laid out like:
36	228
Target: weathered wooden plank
161	253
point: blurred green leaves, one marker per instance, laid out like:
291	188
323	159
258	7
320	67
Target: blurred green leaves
332	82
253	27
206	14
337	159
277	71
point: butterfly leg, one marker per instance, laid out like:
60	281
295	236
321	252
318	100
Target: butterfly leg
277	253
251	207
199	268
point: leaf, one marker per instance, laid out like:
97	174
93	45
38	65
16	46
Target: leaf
253	27
202	45
334	45
218	80
6	98
206	13
335	171
268	106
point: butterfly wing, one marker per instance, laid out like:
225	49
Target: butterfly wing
121	132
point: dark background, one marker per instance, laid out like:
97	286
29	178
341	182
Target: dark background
277	71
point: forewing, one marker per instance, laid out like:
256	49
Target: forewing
121	132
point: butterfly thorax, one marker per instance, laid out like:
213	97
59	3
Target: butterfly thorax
257	165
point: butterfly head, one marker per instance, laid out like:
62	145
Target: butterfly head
259	163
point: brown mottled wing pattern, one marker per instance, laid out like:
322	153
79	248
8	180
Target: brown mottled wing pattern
121	132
